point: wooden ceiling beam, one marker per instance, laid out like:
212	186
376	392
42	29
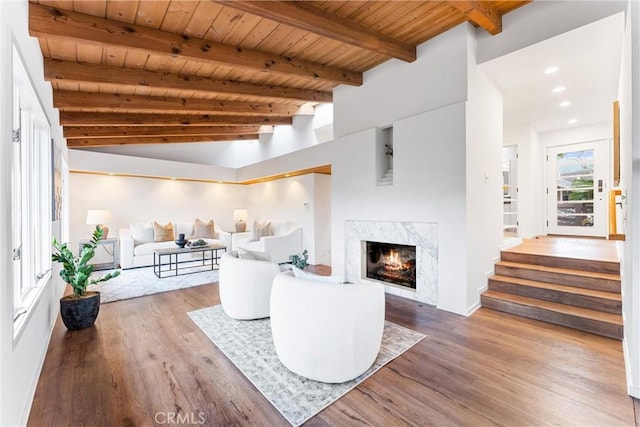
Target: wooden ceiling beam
104	142
54	23
302	15
55	70
137	119
481	14
73	132
105	102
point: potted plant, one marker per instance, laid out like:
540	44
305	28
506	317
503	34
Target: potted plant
300	260
80	309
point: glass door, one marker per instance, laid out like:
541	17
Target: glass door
576	189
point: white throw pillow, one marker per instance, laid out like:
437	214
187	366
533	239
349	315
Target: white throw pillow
261	229
260	256
315	277
141	233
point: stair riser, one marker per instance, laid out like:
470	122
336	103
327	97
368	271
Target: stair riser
551	261
587	325
560	278
553	295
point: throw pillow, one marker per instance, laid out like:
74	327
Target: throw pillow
255	255
162	233
141	233
262	229
204	230
300	274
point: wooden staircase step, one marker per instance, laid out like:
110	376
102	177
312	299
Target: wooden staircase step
597	266
596	300
608	282
584	319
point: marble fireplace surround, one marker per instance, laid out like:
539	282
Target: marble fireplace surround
422	235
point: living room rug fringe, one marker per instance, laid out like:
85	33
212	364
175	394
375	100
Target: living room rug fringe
249	346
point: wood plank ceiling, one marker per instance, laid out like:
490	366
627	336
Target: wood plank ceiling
169	71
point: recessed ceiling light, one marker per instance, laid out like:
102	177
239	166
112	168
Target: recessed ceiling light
551	70
565	103
572	121
558	89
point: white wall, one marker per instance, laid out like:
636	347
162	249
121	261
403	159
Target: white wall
132	199
541	20
530	180
302	199
322	222
483	178
21	359
397	89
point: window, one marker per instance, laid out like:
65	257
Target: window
31	194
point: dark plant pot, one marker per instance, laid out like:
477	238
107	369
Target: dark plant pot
79	312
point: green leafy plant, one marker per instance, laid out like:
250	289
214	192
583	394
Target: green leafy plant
300	260
75	270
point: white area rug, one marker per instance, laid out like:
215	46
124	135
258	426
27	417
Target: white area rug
248	344
137	282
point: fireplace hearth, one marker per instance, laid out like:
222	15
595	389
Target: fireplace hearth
391	263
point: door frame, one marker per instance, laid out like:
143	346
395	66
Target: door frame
603	172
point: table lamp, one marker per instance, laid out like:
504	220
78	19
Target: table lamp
240	216
99	217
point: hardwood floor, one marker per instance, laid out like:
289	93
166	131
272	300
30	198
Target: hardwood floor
145	359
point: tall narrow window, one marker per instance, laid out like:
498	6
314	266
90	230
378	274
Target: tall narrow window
384	156
31	193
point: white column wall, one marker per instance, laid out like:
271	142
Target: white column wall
483	178
629	97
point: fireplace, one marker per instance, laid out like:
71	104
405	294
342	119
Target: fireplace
391	263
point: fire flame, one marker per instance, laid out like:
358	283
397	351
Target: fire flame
393	261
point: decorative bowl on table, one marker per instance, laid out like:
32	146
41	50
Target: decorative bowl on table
196	244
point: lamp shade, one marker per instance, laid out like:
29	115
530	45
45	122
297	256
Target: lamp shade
240	215
98	216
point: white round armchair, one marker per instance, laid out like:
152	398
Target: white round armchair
245	286
329	332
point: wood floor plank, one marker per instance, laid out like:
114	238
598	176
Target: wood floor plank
145	358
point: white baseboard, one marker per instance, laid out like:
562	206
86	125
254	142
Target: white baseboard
514	241
632	389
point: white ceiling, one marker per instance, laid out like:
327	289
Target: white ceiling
588	61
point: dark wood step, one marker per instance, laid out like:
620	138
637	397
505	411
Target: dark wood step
597	266
584	319
580	297
607	282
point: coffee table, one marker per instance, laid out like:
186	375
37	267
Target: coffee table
175	263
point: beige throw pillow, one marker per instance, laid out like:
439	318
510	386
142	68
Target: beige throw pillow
261	229
163	233
204	230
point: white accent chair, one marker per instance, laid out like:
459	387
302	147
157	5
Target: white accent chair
326	331
245	286
285	241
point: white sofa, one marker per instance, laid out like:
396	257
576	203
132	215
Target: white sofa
285	241
245	285
140	254
329	332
